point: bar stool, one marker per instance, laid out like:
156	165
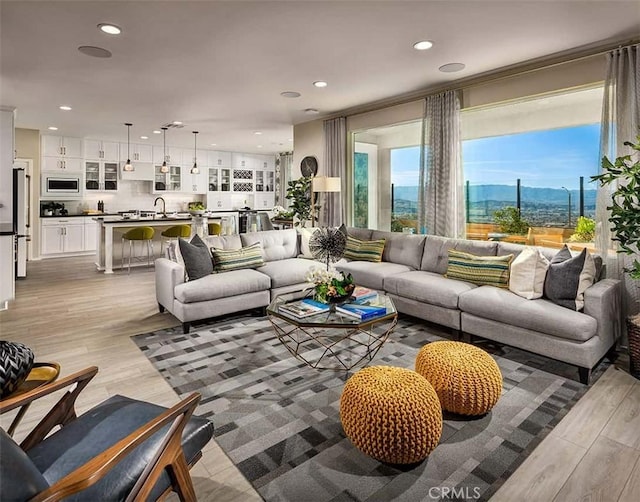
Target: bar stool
139	234
215	229
175	232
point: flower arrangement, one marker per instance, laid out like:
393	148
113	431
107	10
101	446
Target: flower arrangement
331	286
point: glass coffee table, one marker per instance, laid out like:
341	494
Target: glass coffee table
331	340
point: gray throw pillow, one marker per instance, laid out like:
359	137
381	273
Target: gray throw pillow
568	277
197	259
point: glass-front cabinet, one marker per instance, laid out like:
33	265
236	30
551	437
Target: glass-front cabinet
168	182
219	179
101	176
213	181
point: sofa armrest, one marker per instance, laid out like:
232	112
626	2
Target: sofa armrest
169	274
603	302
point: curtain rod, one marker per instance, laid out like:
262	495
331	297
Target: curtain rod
524	68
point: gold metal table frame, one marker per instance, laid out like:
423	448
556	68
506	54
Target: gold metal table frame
332	340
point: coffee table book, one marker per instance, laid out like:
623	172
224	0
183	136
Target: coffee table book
304	308
362	312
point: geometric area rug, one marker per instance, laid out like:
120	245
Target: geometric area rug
277	419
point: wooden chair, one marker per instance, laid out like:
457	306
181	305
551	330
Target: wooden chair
122	449
548	240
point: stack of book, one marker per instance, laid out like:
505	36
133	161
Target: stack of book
362	311
304	308
362	294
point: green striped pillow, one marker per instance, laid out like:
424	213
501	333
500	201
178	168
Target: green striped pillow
364	250
234	259
481	270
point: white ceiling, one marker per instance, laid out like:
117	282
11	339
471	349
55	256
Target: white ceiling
220	66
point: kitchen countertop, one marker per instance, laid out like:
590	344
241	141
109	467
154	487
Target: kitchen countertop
6	229
117	219
77	215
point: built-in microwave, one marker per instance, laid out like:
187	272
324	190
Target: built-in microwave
61	185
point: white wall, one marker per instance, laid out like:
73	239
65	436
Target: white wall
308	139
6	163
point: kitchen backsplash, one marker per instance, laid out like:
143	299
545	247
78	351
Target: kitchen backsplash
131	195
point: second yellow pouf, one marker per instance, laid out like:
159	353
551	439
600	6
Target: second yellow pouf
391	414
466	378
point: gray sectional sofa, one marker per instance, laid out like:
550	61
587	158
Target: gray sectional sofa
412	273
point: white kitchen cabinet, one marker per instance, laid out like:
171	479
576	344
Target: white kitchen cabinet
7	270
219	159
61	164
62	236
217	201
264	201
242	160
138	153
174	155
90	234
265	162
188	158
96	149
142	171
195	183
101	176
242	180
61	146
167	182
264	181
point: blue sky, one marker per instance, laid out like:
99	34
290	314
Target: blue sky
549	158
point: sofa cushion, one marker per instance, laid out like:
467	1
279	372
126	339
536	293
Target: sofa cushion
401	248
197	258
214	286
516	249
481	270
436	251
364	234
568	277
427	287
370	275
276	244
19	478
223	241
102	427
359	250
537	315
287	272
528	271
236	259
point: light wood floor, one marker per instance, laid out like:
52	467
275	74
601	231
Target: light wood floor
68	312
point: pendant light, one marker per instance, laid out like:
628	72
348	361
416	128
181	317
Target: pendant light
194	169
128	166
164	168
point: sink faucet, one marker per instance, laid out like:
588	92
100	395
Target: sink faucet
164	206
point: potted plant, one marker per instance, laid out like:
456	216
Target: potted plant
624	173
299	193
510	221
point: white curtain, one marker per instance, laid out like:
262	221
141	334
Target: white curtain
283	176
332	212
620	121
441	201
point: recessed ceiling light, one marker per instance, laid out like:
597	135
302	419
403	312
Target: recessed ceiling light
157	132
290	94
311	111
96	52
110	29
144	137
177	122
451	67
423	45
52	128
290	139
65	108
320	83
213	144
257	133
259	146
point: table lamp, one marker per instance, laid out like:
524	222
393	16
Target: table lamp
323	184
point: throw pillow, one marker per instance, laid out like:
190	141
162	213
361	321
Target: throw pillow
527	274
364	250
197	260
481	270
235	259
305	235
568	277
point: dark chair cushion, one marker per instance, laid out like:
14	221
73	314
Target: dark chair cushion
19	478
99	429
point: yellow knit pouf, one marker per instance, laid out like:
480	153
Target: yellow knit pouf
466	378
391	414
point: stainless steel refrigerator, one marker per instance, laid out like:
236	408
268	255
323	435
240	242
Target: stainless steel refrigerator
21	218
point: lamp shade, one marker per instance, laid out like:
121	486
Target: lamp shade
326	184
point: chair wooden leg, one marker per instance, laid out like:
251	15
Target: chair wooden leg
181	479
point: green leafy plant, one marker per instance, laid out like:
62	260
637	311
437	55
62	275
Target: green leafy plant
585	230
196	206
624	173
510	221
299	193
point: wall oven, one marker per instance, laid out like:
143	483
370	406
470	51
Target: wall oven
59	186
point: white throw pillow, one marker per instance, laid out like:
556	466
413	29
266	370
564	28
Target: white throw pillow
527	274
305	235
